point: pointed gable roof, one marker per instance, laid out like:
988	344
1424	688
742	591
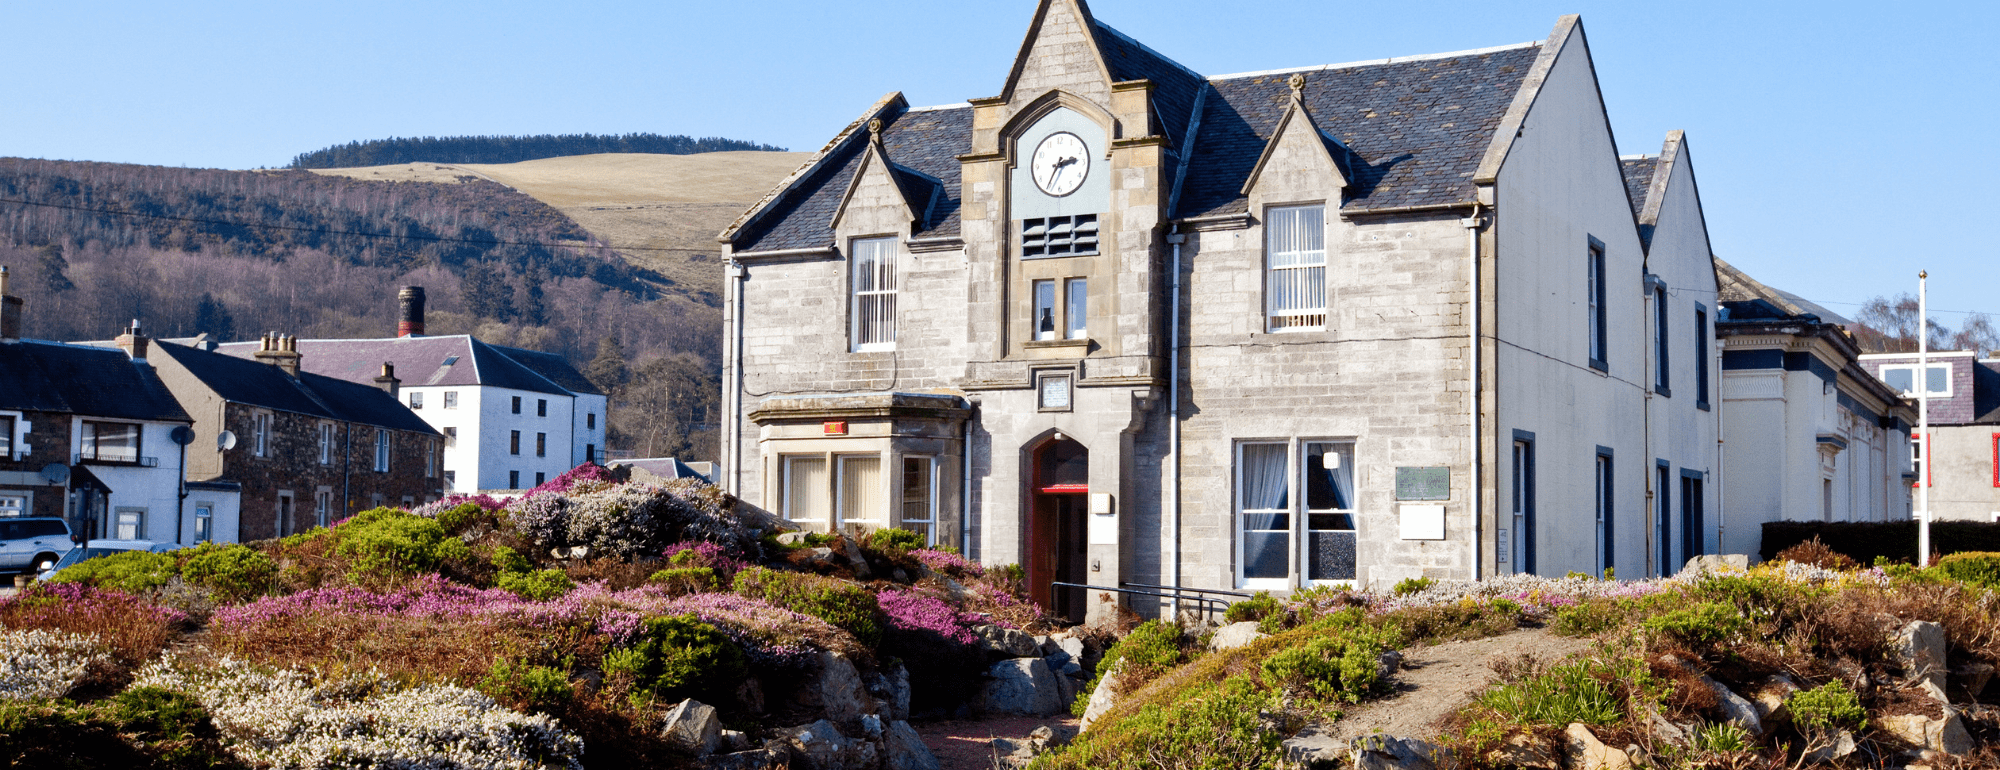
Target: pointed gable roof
1638	173
1297	117
1041	36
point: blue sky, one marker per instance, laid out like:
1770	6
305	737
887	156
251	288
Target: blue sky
1840	147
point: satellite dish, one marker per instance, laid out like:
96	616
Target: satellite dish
225	441
182	435
55	473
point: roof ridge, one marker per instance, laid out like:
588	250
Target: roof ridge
1379	62
1147	48
940	107
1640	156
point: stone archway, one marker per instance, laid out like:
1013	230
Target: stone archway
1057	503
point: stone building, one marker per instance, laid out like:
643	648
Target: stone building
307	450
1131	325
511	418
1811	434
1963	446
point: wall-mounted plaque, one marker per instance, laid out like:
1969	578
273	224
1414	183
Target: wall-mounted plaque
1423	483
1054	392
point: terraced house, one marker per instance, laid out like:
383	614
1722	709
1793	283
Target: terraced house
1132	325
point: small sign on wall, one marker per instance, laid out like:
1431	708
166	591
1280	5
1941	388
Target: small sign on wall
1422	522
1103	520
834	427
1423	483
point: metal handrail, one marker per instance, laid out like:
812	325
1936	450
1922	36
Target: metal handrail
1204	601
1185	589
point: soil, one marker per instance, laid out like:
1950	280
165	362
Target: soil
966	744
1438	680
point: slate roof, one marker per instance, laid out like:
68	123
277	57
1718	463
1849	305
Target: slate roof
1408	132
927	141
1986	391
1638	178
82	380
422	361
246	381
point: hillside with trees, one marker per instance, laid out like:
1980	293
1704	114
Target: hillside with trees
510	149
233	254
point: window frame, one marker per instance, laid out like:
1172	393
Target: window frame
1596	297
541	407
1663	511
27	498
1297	512
8	422
382	450
590	421
451	399
541	444
841	518
1883	375
260	433
204	522
872	330
1605	509
788	483
1073	243
89	434
324	435
1662	348
931	474
513	479
517	405
416	399
514	443
1522	504
1315	273
1046	307
1703	357
138	514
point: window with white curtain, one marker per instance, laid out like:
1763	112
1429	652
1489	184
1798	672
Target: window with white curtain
874	290
1295	268
381	451
1284	536
1329	485
861	491
807	490
1045	311
1264	505
326	443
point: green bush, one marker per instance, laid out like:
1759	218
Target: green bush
1151	649
141	727
844	604
1408	586
540	585
537	688
678	657
685	580
507	560
1980	568
894	540
1828	705
1216	726
1589	618
1254	608
233	572
1558	696
1722	736
1699	625
131	571
387	542
1866	541
156	711
1331	667
457	518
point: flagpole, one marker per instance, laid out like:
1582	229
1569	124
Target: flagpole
1923	419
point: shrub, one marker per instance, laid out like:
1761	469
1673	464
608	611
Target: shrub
1980	568
1828	705
38	665
1815	553
948	563
462	516
524	685
133	630
1865	541
507	560
678	657
936	642
1699	625
839	602
685	580
233	572
1722	736
1210	726
696	553
1254	608
631	520
131	571
1557	696
141	727
1588	618
1332	667
1151	649
155	711
1408	586
894	540
387	543
540	585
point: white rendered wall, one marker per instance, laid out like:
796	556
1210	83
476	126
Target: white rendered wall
157	490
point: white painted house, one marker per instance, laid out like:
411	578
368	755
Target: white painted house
511	418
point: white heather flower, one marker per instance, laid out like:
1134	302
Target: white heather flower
36	664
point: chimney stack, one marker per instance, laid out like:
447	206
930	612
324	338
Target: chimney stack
280	351
133	342
388	380
10	311
411	322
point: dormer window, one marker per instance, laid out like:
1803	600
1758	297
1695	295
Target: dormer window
1295	268
874	294
1903	378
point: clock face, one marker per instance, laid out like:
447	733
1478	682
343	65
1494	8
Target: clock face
1061	162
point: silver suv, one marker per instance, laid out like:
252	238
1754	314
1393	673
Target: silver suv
32	545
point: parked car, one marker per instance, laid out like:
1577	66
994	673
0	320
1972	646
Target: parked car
33	544
98	548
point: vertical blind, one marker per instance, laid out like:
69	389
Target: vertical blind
1295	283
861	490
874	292
806	488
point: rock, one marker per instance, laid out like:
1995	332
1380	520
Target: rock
1011	753
1712	563
1314	748
1735	709
791	538
1947	735
1973	677
872	726
899	691
1385	752
1586	752
750	693
1523	750
755	759
1828	746
1052	736
903	749
1235	635
1042	644
1667	732
839	693
1388	663
1022	686
1007	641
1066	688
1770	697
852	551
1102	698
1071	645
735	740
821	746
820	557
1919	648
692	725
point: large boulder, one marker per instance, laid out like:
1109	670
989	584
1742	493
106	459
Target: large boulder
1770	698
1102	698
839	693
1825	745
1385	752
1314	748
1947	735
1009	642
693	726
1524	750
1586	752
903	749
1022	686
1235	635
1919	647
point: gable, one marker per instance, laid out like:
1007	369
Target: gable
1299	153
1060	52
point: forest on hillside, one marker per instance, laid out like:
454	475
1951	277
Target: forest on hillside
233	254
510	149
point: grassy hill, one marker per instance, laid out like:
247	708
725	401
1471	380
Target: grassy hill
661	212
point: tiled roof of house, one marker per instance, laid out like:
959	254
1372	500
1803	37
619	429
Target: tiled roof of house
424	361
1638	173
927	141
1408	132
1415	130
82	380
255	383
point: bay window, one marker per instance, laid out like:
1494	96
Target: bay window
917	509
861	500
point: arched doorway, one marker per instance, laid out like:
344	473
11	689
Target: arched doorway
1059	488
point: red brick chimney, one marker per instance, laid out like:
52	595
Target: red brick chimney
133	342
10	311
280	351
411	321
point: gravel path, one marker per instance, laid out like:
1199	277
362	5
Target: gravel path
1437	680
963	744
